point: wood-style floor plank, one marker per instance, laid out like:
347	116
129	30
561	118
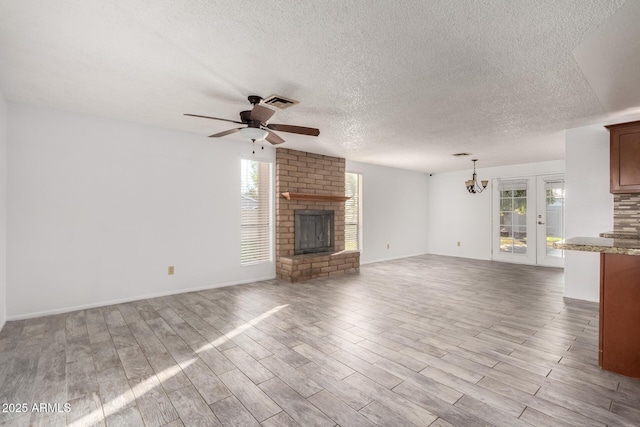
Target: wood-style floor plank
339	411
404	408
192	408
281	419
437	406
350	395
381	415
253	398
231	413
293	378
300	409
420	341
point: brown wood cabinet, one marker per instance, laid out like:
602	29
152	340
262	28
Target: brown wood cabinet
619	347
625	157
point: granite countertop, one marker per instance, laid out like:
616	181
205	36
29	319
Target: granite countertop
621	235
601	244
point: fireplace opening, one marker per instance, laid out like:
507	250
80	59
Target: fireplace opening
313	232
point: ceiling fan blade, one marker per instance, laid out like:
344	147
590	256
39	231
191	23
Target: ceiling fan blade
273	138
261	114
214	118
226	132
294	129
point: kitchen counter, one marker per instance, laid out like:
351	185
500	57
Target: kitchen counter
621	235
619	342
605	245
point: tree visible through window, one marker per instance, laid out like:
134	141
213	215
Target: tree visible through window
513	216
256	197
353	212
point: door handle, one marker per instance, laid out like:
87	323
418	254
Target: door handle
540	222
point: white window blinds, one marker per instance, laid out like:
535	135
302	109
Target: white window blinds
353	212
256	198
512	184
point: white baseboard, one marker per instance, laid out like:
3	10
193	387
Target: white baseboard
392	258
455	255
135	298
579	298
4	322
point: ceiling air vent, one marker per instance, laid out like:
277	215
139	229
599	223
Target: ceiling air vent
461	154
280	101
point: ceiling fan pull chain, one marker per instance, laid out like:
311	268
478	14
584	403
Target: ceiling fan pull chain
253	145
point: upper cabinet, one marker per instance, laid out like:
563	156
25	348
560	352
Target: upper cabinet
625	157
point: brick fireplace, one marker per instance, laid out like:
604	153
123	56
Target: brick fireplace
312	182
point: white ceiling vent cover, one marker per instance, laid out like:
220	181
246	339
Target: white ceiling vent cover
280	101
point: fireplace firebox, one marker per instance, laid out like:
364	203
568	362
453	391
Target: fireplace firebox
313	231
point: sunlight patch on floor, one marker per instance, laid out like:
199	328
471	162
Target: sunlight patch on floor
140	389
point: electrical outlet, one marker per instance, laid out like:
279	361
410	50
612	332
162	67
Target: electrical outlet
171	270
458	243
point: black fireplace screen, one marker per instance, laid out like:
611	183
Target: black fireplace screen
313	231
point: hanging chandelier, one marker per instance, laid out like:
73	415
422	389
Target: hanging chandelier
472	184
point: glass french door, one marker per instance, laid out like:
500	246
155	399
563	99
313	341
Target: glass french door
528	217
550	219
513	222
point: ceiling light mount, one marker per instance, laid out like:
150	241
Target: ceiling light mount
472	184
254	99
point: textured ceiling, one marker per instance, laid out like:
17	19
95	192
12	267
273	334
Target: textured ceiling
402	83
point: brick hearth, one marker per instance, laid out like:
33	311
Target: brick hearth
301	172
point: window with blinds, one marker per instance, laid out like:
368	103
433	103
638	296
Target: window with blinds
353	212
256	217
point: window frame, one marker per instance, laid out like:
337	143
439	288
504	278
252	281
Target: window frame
266	253
359	223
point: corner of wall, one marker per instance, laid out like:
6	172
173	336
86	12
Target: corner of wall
589	206
3	209
394	212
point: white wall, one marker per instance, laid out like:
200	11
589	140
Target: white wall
394	209
98	209
3	210
455	215
589	206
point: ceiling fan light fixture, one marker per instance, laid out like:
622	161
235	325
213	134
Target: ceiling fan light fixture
254	133
257	128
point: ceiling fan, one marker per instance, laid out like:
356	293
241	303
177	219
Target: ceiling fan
257	128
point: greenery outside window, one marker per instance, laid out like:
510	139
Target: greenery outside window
513	216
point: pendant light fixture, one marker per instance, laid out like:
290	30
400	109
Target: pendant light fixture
472	184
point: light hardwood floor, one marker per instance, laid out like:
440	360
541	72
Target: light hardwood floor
420	341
